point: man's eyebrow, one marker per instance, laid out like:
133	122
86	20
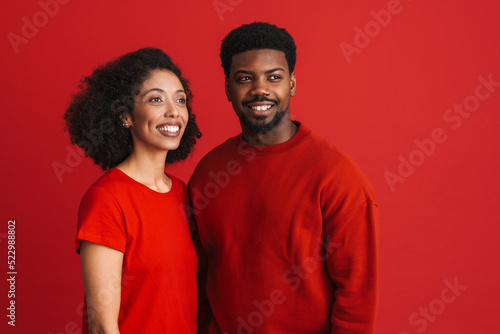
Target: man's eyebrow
243	71
267	72
275	69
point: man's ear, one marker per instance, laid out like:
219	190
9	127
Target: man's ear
226	87
293	83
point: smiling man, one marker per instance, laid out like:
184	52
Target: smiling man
253	75
287	223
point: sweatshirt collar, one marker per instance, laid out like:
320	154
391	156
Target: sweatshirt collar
245	148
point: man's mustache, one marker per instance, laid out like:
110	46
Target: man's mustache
260	99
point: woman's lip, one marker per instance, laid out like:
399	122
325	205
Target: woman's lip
170	124
166	129
169	134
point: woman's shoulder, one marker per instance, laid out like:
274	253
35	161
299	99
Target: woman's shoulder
110	177
110	183
176	180
178	186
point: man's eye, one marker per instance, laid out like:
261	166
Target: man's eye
246	78
274	77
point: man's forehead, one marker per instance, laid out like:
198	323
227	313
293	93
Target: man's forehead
261	59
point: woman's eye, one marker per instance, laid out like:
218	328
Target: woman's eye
181	100
155	99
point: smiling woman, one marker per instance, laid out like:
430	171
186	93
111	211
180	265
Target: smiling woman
133	233
158	121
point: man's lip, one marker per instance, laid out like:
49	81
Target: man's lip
259	101
259	104
254	112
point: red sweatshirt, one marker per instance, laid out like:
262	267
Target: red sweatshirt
290	232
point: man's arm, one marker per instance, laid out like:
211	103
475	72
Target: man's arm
204	316
352	265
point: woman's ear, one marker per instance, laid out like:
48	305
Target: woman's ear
126	121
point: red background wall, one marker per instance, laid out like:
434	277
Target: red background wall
385	100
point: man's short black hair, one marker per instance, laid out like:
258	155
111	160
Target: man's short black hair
257	36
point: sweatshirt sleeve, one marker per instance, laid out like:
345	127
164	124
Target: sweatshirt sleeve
204	311
350	227
352	266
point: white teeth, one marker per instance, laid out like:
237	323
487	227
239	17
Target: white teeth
261	108
169	128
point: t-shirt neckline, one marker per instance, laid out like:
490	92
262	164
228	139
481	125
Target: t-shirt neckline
124	176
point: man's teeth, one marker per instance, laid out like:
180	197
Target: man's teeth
261	108
169	128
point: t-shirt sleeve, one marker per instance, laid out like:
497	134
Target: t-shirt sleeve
100	220
351	234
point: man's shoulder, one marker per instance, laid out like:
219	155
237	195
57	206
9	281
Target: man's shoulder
226	148
332	161
323	150
217	156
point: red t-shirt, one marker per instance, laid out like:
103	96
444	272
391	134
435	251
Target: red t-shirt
290	232
158	280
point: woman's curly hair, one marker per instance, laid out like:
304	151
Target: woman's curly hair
94	118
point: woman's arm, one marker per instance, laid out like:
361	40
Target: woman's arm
102	272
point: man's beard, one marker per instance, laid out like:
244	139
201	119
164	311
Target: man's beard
262	128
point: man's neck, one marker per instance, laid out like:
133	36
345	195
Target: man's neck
282	132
